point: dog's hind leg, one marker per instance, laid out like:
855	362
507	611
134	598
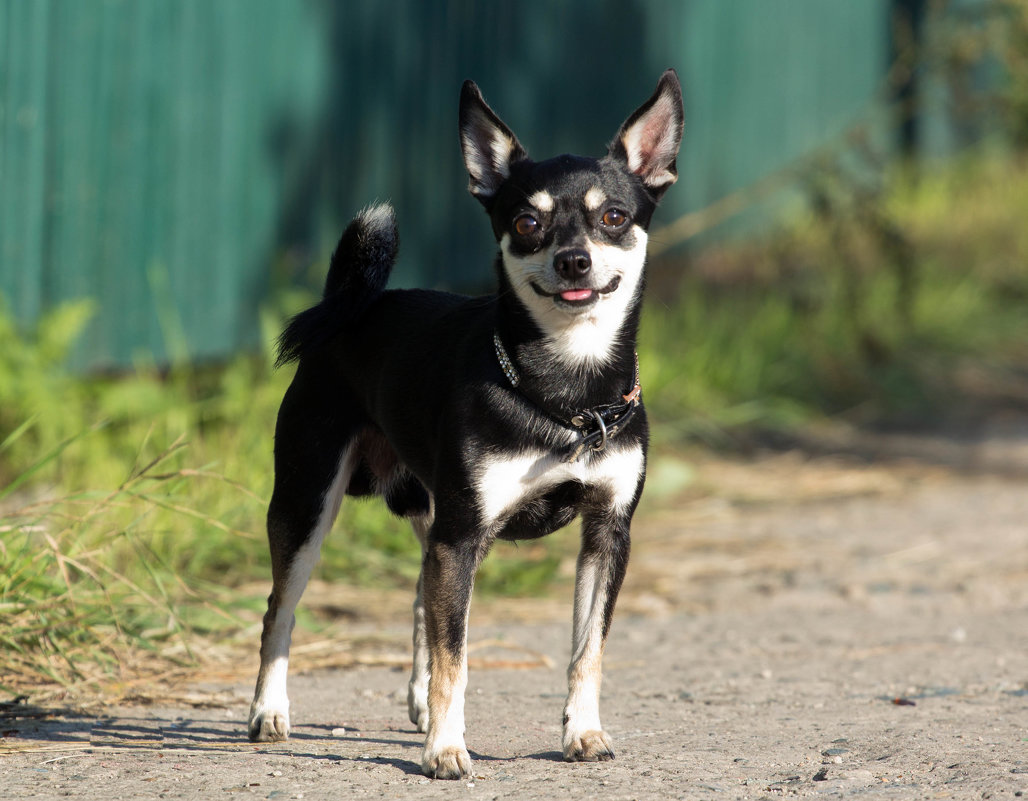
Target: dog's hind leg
417	689
601	569
314	460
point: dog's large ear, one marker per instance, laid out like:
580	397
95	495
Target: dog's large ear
489	146
648	141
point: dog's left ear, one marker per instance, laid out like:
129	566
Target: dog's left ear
489	146
648	141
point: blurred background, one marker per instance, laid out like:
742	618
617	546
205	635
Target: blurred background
844	250
180	162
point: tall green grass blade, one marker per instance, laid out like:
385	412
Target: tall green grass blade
14	436
50	457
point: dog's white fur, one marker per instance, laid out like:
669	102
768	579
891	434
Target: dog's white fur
504	483
579	338
271	701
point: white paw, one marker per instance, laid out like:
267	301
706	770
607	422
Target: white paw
587	746
449	762
268	724
417	706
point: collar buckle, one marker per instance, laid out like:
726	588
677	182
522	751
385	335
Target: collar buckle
606	421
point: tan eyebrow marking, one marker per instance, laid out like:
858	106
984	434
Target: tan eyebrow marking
542	200
594	198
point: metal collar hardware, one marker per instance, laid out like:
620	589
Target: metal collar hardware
595	426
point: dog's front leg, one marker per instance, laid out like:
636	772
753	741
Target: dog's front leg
447	578
601	569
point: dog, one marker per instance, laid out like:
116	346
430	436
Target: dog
504	416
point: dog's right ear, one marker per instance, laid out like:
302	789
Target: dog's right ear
489	146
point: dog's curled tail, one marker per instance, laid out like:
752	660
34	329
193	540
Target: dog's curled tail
358	273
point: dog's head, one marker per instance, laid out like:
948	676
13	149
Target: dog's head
572	230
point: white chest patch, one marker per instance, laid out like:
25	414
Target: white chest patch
502	484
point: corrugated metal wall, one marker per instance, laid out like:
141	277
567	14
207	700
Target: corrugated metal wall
169	159
135	165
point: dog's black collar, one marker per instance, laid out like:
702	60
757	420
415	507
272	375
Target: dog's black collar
596	425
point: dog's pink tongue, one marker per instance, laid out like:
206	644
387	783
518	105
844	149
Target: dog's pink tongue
576	294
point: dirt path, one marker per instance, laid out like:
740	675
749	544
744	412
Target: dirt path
791	627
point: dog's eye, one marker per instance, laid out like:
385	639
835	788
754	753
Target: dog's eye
614	218
525	225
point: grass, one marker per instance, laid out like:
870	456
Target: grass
129	504
715	363
66	604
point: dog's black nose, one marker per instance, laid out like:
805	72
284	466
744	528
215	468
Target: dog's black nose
572	263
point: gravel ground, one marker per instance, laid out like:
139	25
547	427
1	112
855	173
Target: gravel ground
814	627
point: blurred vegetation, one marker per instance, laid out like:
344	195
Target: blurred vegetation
132	506
904	305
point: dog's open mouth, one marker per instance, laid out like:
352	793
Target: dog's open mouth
578	296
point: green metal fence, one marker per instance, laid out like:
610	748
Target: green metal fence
170	159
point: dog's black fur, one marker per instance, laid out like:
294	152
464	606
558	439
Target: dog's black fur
402	393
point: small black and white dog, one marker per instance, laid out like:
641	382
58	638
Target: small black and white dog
476	418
